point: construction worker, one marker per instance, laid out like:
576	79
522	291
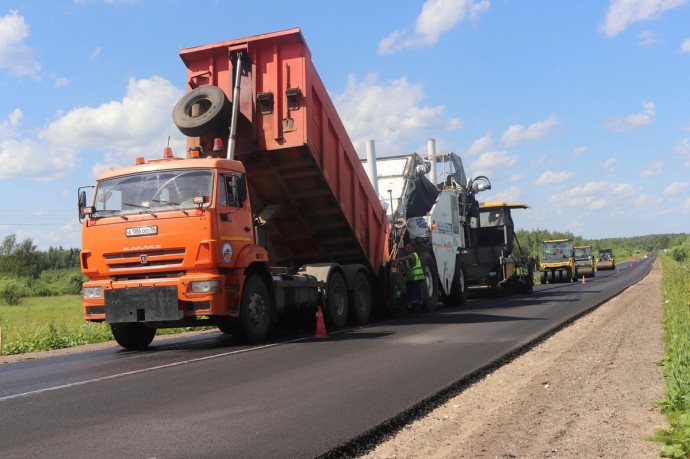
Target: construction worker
415	277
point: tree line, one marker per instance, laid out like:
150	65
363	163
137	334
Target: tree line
23	259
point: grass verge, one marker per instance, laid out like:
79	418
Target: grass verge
676	361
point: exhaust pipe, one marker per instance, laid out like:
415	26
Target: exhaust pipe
232	138
371	165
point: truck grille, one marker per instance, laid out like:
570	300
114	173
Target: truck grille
144	259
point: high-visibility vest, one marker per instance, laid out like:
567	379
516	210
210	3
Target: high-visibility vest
416	273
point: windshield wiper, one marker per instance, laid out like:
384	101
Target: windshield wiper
176	205
139	206
100	213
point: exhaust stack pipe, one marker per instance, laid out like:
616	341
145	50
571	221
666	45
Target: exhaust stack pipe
235	108
431	152
371	165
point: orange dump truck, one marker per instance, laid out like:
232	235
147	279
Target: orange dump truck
269	210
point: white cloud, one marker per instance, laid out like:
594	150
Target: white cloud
517	133
683	148
437	17
675	188
95	53
138	125
685	46
392	114
550	177
512	194
8	127
480	145
610	165
14	54
579	152
516	177
652	170
62	81
622	13
593	195
647	38
633	121
492	160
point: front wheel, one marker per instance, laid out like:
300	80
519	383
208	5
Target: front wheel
133	336
458	289
255	311
430	283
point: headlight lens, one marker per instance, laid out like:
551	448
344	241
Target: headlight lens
205	286
92	292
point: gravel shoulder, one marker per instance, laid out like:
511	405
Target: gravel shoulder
587	391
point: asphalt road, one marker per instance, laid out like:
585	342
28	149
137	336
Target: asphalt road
291	398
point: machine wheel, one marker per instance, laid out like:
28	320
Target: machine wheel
201	110
458	289
542	277
361	301
430	283
335	311
255	311
133	336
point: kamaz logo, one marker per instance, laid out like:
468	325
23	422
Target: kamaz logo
141	247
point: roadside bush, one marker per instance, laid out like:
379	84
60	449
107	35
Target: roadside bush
12	290
681	253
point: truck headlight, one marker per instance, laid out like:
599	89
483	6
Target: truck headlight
212	286
92	292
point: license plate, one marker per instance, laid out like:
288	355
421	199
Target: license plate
141	231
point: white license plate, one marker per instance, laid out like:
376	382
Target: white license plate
141	231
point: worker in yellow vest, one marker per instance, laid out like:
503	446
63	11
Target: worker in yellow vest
415	277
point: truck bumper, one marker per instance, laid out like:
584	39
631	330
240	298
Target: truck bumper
161	300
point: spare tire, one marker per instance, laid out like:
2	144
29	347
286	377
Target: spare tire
202	110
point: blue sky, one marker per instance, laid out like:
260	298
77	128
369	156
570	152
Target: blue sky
580	109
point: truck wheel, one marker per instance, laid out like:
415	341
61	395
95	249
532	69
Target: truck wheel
201	110
133	336
458	289
335	311
255	311
542	277
360	302
430	285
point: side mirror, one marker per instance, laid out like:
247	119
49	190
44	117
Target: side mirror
239	188
84	210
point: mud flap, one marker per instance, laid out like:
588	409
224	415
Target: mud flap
141	304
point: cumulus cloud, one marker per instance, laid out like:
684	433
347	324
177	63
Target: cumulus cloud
579	152
647	38
390	113
683	148
139	124
593	195
685	46
675	188
610	165
517	133
622	13
15	56
512	194
652	170
490	161
550	177
437	17
480	145
633	121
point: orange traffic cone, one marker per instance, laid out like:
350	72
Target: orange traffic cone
583	279
320	326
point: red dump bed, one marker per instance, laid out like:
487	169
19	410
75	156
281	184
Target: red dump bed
301	165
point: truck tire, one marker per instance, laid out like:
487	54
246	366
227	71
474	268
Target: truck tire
458	289
360	300
430	283
335	311
133	336
255	311
214	108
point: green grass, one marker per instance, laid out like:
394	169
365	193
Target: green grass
45	323
676	360
56	322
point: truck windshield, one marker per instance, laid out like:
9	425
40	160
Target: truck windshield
583	252
557	249
157	191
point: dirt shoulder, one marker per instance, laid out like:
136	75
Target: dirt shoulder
588	391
